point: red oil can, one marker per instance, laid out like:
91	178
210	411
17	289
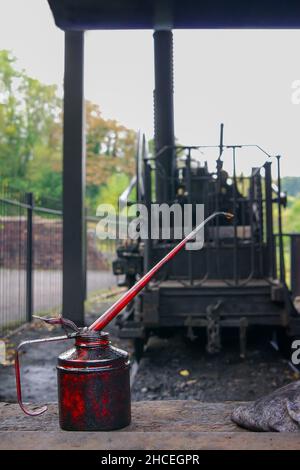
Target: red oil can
93	385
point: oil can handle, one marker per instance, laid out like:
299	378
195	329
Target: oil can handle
44	408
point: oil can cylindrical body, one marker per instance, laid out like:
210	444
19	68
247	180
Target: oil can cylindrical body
93	385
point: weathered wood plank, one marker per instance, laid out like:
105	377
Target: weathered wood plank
175	415
155	425
59	440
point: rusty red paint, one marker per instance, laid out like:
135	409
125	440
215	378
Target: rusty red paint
93	385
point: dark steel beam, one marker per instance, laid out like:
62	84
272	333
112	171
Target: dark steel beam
295	265
74	179
163	112
148	258
269	219
135	14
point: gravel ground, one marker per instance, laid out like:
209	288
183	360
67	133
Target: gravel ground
175	369
170	369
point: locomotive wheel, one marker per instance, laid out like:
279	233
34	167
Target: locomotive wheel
138	344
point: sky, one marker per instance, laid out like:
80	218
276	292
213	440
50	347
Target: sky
242	78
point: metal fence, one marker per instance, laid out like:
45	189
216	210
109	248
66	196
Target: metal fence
13	258
99	257
45	243
31	257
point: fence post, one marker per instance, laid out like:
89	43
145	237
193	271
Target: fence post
29	258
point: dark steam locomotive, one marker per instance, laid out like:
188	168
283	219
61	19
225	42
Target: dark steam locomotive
237	280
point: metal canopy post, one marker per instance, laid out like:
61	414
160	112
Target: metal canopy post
163	112
74	179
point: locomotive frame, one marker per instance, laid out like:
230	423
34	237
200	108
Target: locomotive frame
238	279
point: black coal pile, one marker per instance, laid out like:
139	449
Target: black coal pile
174	369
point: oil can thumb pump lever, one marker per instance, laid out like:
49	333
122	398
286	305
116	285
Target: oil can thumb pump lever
93	376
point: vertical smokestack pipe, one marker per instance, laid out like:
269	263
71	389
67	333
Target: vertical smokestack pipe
163	112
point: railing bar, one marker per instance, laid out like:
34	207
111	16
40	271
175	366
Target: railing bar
235	252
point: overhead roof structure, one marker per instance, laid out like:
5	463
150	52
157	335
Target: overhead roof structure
176	14
77	16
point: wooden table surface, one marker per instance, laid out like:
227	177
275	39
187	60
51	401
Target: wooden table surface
155	425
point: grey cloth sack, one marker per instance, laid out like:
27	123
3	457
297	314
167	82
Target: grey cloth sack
278	411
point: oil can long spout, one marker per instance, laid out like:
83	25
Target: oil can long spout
116	308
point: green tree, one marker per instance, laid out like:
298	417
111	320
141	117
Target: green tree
11	119
30	130
109	194
110	159
291	184
291	218
31	140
